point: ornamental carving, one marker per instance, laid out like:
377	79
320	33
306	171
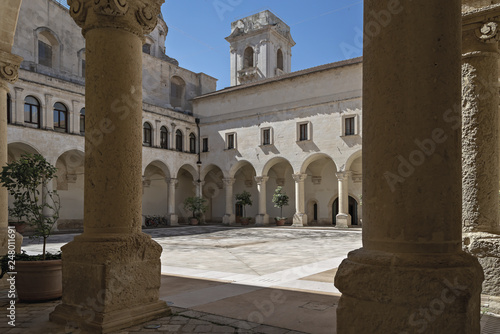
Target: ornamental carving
137	16
9	66
488	33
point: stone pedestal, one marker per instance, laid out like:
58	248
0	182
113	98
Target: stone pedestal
411	276
111	273
343	220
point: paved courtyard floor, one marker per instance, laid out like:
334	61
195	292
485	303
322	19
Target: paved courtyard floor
276	280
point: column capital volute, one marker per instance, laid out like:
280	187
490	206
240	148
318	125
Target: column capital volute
9	67
488	32
196	182
343	175
136	16
299	177
261	179
228	181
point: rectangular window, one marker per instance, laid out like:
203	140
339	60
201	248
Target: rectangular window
205	144
349	126
266	136
230	141
303	132
44	54
83	68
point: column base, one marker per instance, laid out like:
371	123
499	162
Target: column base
409	293
110	282
343	221
486	247
173	220
228	219
262	220
299	220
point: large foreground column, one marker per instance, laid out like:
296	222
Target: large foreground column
480	168
411	275
300	217
229	218
9	66
111	273
343	217
262	218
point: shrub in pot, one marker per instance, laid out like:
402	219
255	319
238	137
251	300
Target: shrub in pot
244	199
196	205
38	277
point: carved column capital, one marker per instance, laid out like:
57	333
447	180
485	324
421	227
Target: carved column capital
341	176
172	181
261	179
136	16
9	67
488	32
299	177
228	182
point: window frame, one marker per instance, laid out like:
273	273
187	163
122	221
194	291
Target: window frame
45	61
204	142
60	111
164	137
192	143
308	131
147	134
179	138
39	111
231	141
270	132
356	125
82	121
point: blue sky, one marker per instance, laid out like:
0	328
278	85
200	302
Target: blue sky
324	30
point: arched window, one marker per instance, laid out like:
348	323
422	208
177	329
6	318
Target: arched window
146	140
248	58
48	48
280	60
32	111
178	140
9	108
60	117
82	121
192	143
177	86
164	137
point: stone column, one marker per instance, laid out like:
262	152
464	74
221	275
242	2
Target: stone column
300	217
172	217
111	272
480	162
47	113
9	66
229	218
411	276
18	114
199	187
262	218
343	217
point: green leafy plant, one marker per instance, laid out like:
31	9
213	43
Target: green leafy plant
244	199
280	199
197	205
27	182
4	260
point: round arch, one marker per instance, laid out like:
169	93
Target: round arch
18	148
273	162
190	169
315	157
352	158
210	168
237	166
158	164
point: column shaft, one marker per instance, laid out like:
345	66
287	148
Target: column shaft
262	218
300	217
229	218
411	274
173	218
343	217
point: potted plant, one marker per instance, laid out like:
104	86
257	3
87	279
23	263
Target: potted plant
280	199
197	205
38	277
244	199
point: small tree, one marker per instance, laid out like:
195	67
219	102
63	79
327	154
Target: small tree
280	199
197	205
27	182
244	199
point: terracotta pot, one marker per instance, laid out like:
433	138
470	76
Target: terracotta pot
193	221
39	280
20	226
280	222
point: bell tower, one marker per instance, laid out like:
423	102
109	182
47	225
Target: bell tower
261	47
